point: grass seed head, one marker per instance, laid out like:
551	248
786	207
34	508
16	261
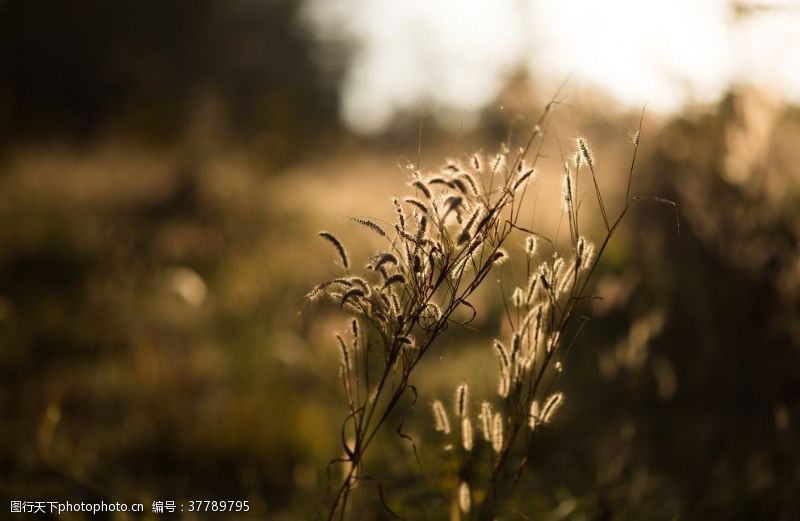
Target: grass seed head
352	294
441	422
522	179
533	417
372	225
397	278
339	247
381	259
462	400
500	256
476	162
451	165
518	298
459	185
569	198
466	434
416	203
473	185
530	246
464	499
551	406
497	432
585	151
498	163
486	420
419	185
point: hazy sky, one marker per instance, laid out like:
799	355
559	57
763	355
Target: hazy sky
454	55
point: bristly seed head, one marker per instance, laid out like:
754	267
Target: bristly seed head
452	202
465	234
442	423
552	342
530	245
416	203
522	178
516	344
558	266
497	432
459	185
464	499
568	190
433	310
458	269
397	278
533	417
518	298
504	384
438	180
584	251
497	164
422	228
381	259
466	176
585	151
351	294
417	265
339	247
499	257
476	162
419	185
501	352
551	406
466	434
462	400
486	420
543	278
371	225
452	165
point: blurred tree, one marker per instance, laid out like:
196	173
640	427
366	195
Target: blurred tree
75	70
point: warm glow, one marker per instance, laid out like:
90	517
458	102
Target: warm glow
455	55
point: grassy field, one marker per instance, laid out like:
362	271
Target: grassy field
157	343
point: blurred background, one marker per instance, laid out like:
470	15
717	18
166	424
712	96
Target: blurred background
164	168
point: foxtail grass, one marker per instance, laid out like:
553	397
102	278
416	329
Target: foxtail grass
449	233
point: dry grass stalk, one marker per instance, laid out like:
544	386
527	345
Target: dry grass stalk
447	238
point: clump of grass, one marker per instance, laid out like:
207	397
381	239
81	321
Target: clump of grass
531	360
446	239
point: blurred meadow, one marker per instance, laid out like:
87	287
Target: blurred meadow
164	171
